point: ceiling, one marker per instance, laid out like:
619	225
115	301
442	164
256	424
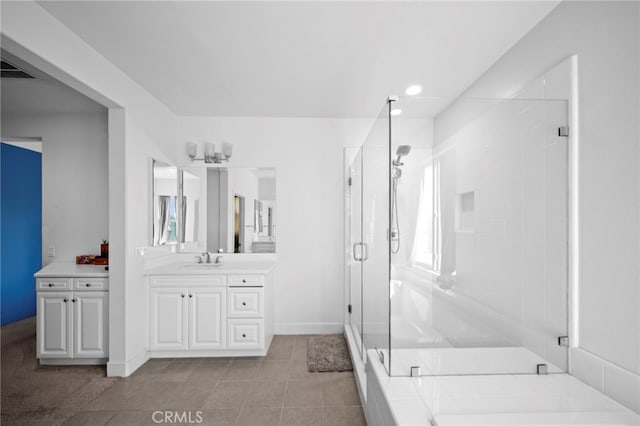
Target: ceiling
298	59
41	94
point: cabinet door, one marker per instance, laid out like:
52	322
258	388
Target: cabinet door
207	316
168	319
54	324
90	324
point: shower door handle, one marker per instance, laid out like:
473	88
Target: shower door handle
355	256
364	252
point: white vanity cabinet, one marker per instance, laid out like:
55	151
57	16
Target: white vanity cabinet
216	314
72	315
187	317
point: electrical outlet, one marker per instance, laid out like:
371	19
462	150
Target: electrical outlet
52	251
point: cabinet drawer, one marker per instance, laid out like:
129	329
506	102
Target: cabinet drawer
90	283
246	280
245	302
53	284
188	281
245	333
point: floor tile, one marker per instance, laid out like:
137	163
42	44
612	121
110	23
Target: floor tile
266	394
228	395
303	416
303	394
212	369
94	418
280	352
340	391
220	416
344	416
135	418
270	390
298	370
273	370
241	370
188	396
260	417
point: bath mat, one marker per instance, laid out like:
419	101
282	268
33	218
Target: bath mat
328	353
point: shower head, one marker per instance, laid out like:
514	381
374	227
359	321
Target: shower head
401	152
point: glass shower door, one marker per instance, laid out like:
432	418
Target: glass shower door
355	262
375	221
479	283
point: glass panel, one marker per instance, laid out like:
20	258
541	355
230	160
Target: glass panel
375	219
478	227
355	265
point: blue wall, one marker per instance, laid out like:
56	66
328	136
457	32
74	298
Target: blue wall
20	231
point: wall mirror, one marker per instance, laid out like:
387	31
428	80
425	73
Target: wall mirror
227	209
164	181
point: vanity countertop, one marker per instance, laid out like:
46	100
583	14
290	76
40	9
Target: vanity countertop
242	267
70	269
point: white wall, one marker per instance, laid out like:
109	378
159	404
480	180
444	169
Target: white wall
139	127
604	36
307	155
75	200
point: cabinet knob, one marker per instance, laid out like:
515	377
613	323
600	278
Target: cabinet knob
191	295
182	295
51	284
74	300
244	335
244	303
244	281
65	300
88	284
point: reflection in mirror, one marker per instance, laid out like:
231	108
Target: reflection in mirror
228	209
164	203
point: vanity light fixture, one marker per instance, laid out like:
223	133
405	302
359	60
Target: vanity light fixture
210	154
413	90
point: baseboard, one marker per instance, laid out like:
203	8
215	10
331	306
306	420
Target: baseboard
125	369
309	328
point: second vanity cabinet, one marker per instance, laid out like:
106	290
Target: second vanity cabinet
210	315
72	315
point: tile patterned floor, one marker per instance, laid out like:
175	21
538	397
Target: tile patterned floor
273	390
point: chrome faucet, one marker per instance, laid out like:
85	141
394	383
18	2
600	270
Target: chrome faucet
207	256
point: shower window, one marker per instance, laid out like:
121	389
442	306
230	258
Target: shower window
427	246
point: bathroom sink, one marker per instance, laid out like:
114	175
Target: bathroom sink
202	265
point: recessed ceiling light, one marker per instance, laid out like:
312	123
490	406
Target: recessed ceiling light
396	111
413	90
